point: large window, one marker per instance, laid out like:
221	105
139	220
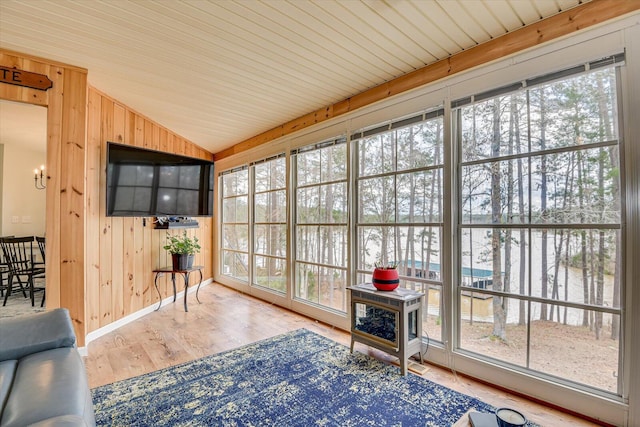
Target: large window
235	223
400	220
270	224
321	233
540	225
513	229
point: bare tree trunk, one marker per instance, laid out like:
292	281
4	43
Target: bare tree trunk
568	184
435	194
523	246
615	322
583	242
556	269
508	231
600	283
331	254
544	278
410	251
361	237
273	240
615	195
499	317
592	284
601	247
566	275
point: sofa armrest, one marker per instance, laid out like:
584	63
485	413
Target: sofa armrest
33	333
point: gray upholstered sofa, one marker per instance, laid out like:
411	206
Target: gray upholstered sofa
42	377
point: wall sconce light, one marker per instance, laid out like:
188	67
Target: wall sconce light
39	178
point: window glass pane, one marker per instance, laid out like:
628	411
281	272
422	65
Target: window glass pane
574	112
308	168
235	237
270	207
419	196
419	252
577	187
333	208
576	265
308	205
270	175
228	210
334	163
587	355
242	182
235	183
270	239
322	244
432	312
495	127
235	264
376	154
270	273
307	279
420	145
375	244
235	209
488	255
242	209
481	334
506	180
376	200
332	288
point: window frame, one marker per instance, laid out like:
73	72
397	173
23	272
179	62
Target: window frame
614	61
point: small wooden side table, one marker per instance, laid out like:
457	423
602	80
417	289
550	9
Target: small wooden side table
185	274
390	321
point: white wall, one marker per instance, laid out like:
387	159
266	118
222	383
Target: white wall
23	206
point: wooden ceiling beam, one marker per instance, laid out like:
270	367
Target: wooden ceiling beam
562	24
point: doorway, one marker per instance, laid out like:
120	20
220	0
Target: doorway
23	145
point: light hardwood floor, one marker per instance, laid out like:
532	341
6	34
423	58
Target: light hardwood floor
228	319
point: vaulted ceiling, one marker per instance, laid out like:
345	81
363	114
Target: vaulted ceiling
219	72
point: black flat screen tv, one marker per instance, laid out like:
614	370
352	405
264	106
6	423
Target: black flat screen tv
143	182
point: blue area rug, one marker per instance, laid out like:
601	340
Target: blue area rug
296	379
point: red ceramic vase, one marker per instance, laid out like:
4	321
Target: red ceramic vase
385	279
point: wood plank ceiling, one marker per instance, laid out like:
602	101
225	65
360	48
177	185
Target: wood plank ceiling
219	72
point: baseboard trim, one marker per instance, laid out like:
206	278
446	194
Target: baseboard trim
93	335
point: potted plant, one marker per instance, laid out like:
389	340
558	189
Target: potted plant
182	249
385	276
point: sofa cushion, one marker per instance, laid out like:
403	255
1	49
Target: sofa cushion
24	335
7	371
63	421
46	385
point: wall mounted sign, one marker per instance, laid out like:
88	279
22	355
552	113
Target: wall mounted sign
13	76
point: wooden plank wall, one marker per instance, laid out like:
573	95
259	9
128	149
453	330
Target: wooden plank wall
97	267
65	214
122	252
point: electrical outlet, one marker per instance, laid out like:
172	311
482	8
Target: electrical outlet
15	219
26	219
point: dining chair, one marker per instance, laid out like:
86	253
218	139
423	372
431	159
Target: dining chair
18	253
4	273
41	246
